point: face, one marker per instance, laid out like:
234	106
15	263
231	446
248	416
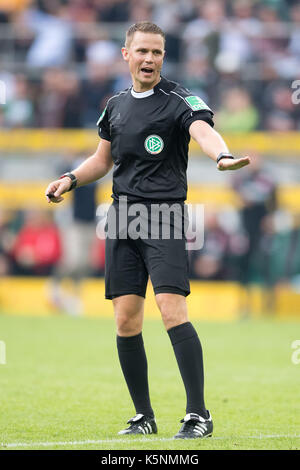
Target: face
145	56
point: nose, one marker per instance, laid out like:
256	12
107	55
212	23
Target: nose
149	58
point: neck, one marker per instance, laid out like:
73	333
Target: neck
139	87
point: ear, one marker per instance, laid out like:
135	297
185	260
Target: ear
125	54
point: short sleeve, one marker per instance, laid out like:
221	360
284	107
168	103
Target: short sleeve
192	108
103	125
188	119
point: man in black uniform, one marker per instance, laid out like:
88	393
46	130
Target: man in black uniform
145	132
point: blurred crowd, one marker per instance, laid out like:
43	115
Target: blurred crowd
61	61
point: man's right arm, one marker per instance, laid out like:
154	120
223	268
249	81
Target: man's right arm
93	168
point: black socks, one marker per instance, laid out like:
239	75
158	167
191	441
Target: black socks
188	352
134	365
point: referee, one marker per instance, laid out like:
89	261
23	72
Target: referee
145	131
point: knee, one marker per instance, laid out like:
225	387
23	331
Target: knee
129	322
127	325
129	314
173	309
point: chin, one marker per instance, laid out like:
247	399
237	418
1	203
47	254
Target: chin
148	80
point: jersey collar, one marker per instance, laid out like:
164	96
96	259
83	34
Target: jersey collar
147	93
164	86
143	94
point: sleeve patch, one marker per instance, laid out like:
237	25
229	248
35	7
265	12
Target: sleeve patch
196	103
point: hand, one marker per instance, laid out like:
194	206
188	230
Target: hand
57	188
233	164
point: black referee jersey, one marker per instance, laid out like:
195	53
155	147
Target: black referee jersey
149	135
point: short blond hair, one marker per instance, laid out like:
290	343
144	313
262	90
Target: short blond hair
144	27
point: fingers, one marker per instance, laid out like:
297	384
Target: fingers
244	160
54	191
236	164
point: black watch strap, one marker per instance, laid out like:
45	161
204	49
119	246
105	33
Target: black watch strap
224	155
73	180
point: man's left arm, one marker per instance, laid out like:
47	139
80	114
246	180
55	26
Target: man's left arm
213	145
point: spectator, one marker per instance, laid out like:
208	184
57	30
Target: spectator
98	257
112	11
277	261
102	51
37	247
5	238
270	44
9	79
200	78
237	112
96	88
72	100
201	36
292	266
280	112
50	105
167	14
279	121
235	47
19	111
140	10
53	36
294	41
257	190
209	263
82	11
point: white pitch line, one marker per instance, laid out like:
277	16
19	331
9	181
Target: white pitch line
80	443
127	441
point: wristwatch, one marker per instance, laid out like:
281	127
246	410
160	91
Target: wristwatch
224	155
73	180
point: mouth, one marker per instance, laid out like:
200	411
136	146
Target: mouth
147	71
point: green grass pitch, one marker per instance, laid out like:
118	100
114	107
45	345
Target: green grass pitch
62	388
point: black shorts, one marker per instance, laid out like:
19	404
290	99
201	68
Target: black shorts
130	261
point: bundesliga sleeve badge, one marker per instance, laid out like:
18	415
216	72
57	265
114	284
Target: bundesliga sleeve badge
196	103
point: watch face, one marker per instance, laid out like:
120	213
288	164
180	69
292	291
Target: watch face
73	177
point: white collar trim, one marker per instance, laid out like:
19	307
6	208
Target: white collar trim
143	94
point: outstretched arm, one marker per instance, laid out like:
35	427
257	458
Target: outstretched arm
93	168
213	145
